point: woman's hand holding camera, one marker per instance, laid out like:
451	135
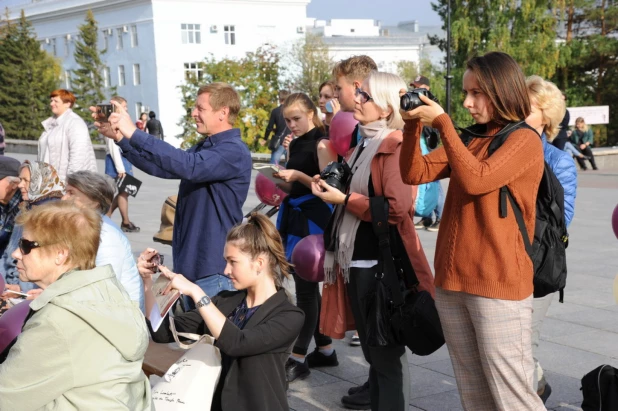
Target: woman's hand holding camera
426	113
328	194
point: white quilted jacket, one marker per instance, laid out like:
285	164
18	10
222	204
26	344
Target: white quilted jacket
66	145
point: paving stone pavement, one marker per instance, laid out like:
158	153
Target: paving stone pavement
576	337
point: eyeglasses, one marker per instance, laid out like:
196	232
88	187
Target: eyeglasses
25	246
364	96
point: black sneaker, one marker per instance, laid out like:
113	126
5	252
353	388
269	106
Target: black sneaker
317	359
295	369
360	400
358	388
129	228
422	223
546	393
434	227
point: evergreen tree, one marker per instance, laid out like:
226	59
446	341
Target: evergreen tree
87	81
27	76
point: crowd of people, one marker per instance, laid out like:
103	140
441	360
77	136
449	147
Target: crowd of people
89	296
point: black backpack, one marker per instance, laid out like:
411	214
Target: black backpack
600	389
548	249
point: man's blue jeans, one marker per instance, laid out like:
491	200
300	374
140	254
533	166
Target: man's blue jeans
275	157
212	285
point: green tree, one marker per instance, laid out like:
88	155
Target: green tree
308	65
525	29
87	82
27	76
255	77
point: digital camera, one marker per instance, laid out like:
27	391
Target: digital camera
337	175
104	111
411	100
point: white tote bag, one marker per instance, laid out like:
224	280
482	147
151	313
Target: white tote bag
190	383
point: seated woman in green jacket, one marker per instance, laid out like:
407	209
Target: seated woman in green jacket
83	342
254	327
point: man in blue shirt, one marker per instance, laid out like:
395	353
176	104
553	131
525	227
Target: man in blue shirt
214	181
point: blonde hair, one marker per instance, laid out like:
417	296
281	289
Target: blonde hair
548	98
222	95
355	68
384	88
580	120
259	236
62	225
306	105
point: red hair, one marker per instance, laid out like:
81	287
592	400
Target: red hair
65	95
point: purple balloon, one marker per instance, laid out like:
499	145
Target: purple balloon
267	192
12	322
340	131
308	258
615	221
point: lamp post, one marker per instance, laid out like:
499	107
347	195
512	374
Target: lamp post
448	76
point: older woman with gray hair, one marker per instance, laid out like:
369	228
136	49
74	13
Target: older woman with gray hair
91	190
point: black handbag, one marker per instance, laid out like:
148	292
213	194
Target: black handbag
410	313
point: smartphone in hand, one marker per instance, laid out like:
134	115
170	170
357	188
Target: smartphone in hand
157	260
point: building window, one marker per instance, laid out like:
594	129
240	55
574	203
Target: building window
107	77
66	45
119	44
53	47
105	40
121	80
230	34
134	36
137	79
193	70
67	80
191	34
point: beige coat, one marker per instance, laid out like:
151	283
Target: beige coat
81	349
66	145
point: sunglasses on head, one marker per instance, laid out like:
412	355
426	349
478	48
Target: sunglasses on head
25	246
364	96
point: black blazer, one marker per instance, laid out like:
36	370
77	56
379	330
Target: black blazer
256	379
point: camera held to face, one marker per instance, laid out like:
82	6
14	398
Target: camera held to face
411	100
337	175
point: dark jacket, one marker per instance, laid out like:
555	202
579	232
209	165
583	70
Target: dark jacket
562	138
154	128
214	181
256	379
276	124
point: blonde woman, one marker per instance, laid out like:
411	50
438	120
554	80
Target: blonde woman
547	110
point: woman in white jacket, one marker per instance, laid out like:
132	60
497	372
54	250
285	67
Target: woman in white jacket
65	143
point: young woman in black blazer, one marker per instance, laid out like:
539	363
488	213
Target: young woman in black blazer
254	327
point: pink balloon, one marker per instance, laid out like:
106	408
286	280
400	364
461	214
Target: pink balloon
267	191
12	322
308	258
615	221
340	131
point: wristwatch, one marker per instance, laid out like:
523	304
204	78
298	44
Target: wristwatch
203	302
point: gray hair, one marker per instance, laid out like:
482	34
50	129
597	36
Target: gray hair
95	186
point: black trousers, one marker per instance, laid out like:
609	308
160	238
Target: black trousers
309	300
582	161
385	371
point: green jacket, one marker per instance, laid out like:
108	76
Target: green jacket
81	349
582	137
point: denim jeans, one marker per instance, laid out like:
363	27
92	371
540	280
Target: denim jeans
440	205
212	285
275	157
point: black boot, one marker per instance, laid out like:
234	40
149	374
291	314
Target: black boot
360	400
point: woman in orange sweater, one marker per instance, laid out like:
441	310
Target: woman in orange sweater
483	273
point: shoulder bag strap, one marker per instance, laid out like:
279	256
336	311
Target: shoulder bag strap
190	336
520	219
379	221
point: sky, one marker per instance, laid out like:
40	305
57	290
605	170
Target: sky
390	12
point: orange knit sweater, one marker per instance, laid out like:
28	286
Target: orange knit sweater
478	252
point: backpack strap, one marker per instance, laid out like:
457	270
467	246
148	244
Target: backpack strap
386	265
519	217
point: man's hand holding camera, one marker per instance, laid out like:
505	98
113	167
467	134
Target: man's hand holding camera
426	113
117	125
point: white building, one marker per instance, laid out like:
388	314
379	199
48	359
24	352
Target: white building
151	44
387	45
